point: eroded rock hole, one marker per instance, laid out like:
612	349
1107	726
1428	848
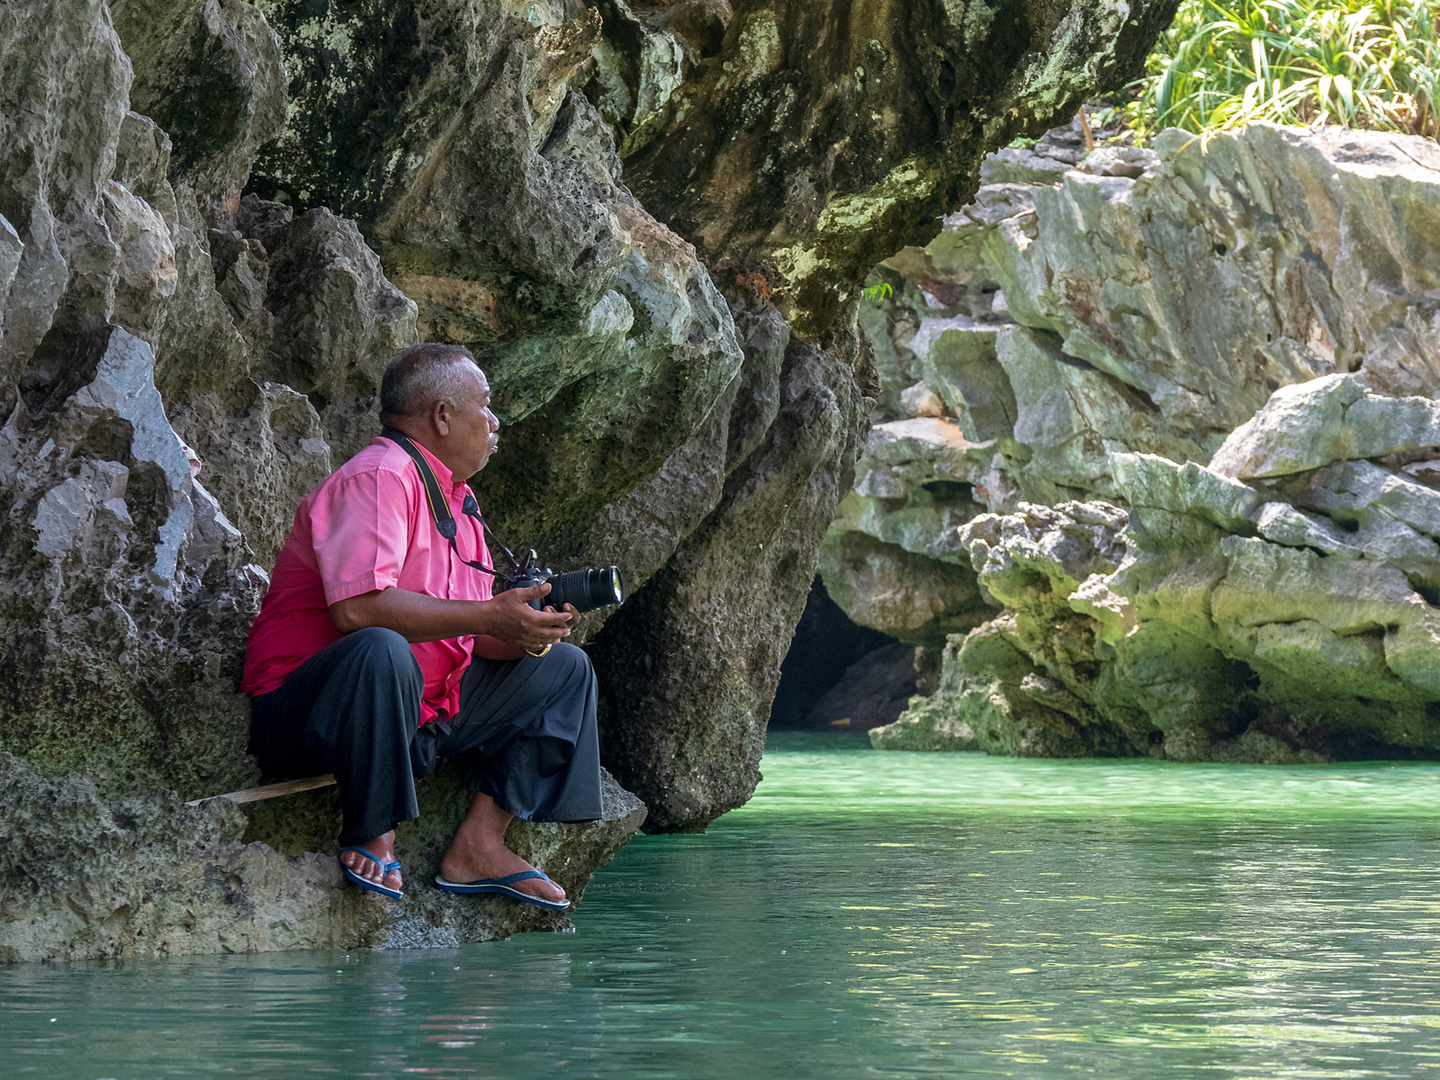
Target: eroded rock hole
838	675
147	498
63	362
949	491
1428	590
108	439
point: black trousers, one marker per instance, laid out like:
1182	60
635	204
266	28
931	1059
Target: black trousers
526	729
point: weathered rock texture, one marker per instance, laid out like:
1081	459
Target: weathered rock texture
651	422
84	875
219	219
820	134
1264	303
892	557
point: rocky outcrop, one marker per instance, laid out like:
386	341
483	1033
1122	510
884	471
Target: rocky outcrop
692	663
219	219
1182	290
1259	303
605	339
143	340
158	327
818	138
651	422
85	875
1214	620
892	557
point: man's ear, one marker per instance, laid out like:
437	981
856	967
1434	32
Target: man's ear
441	417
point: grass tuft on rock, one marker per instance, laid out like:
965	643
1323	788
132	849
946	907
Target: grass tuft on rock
1227	63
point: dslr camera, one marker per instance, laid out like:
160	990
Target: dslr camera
586	589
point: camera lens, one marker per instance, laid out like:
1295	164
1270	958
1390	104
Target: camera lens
587	589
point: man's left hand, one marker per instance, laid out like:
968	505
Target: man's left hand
569	609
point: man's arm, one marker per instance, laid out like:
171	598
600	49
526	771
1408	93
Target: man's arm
417	617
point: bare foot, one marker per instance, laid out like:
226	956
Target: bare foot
383	848
478	851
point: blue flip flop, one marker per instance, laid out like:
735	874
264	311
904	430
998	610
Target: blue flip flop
502	885
394	894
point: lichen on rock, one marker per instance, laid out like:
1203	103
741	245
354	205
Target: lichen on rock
1210	621
86	875
1227	342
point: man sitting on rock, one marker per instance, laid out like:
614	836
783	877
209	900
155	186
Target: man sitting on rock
378	649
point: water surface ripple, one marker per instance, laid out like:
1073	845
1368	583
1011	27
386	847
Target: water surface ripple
869	915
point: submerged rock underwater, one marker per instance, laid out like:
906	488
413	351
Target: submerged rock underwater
219	219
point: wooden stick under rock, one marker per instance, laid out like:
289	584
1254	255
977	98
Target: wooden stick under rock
270	791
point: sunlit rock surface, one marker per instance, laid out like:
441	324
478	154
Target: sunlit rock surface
219	219
1096	330
892	557
1281	620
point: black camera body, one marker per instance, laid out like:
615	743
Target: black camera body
586	589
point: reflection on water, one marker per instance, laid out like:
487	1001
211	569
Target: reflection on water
881	915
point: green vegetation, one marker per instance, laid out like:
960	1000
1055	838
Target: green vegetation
1225	63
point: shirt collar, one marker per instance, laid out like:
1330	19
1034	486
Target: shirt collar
442	473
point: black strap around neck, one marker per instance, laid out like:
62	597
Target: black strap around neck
440	505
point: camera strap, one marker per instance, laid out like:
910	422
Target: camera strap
440	506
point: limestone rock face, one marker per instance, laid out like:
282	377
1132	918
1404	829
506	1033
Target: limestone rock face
492	193
1107	325
892	557
1175	311
1305	427
87	876
1213	620
823	166
139	335
126	586
1167	283
132	590
209	72
692	663
219	219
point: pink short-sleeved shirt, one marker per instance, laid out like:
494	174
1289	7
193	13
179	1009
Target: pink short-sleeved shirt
368	527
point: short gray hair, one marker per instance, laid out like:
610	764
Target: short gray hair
423	375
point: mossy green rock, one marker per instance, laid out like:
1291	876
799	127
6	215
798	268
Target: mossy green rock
1207	372
1222	627
86	876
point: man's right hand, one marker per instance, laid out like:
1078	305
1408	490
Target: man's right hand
511	618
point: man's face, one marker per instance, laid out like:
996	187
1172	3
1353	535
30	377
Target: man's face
474	430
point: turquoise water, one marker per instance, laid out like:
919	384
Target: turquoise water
869	915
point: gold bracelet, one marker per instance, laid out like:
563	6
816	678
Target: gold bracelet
542	652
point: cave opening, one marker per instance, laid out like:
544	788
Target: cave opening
838	675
